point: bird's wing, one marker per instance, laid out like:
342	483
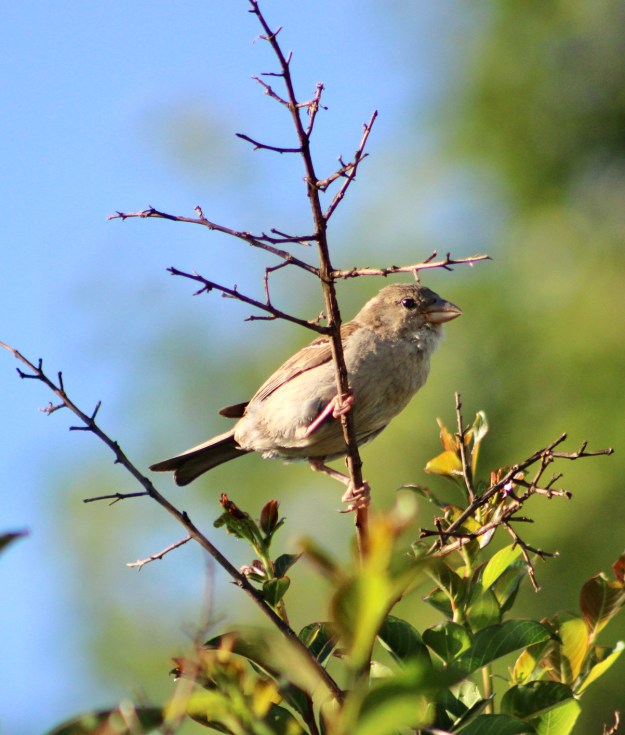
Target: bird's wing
317	353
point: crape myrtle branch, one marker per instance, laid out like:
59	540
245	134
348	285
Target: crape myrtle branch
89	424
511	503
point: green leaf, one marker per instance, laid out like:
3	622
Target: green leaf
558	721
483	609
530	700
275	589
600	600
320	639
605	657
497	725
496	641
500	563
8	538
448	640
450	592
123	720
284	562
508	584
401	639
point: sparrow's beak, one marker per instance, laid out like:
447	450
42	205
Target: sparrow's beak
441	311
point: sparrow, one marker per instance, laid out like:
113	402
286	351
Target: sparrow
294	414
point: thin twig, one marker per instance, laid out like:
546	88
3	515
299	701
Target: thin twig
263	146
467	472
446	263
351	174
140	563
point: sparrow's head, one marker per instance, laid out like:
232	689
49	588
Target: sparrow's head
403	310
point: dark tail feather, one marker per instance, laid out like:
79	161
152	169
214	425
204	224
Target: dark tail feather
198	460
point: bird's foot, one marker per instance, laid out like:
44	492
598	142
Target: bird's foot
336	408
356	498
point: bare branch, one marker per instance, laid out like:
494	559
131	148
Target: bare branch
262	242
467	472
140	563
446	263
351	174
263	146
115	497
234	293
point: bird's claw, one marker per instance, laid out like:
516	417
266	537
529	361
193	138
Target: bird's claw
356	498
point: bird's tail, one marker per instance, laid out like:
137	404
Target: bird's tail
198	460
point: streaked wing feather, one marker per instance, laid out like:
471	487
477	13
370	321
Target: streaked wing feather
317	353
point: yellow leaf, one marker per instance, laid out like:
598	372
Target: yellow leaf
447	464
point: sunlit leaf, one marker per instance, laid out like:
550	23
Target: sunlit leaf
605	657
448	440
447	463
559	720
499	563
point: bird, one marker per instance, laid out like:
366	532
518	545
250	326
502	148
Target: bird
294	414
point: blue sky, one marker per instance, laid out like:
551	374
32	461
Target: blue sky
94	99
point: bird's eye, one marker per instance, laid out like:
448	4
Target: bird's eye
409	303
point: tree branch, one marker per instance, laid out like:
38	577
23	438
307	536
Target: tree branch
234	293
258	241
181	516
